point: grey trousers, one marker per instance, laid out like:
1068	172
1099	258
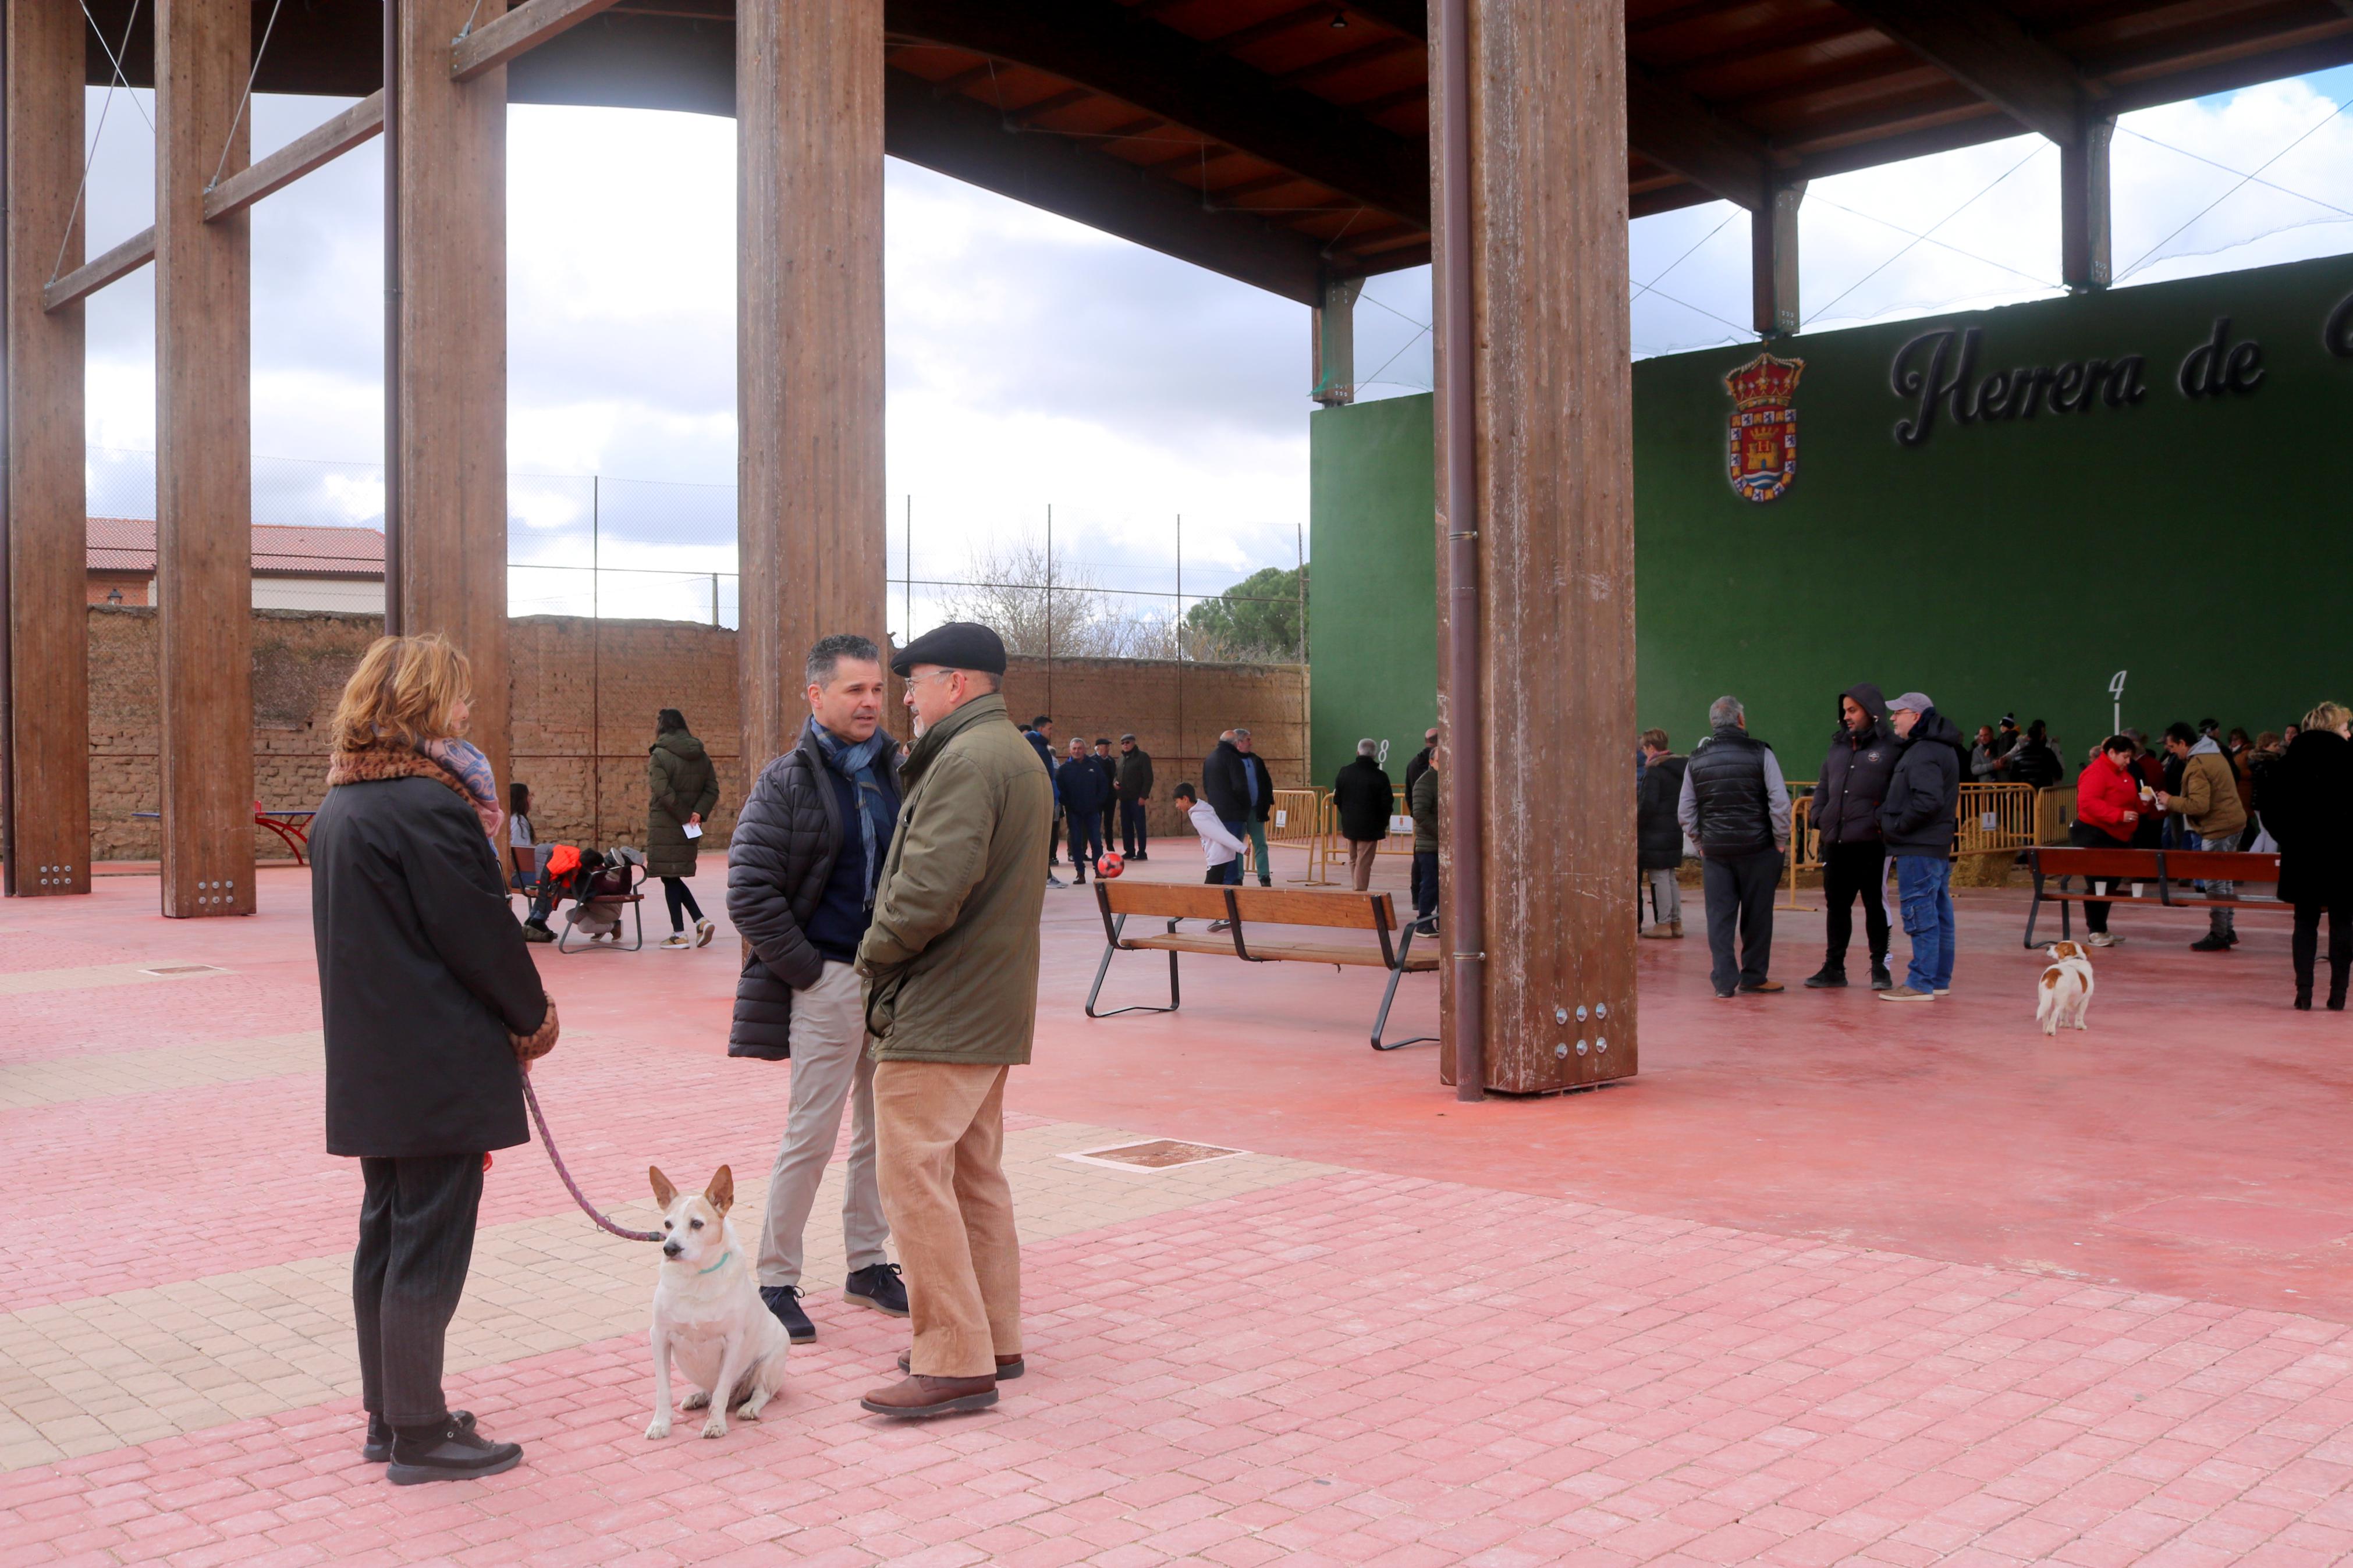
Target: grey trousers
1666	896
829	1067
416	1242
2218	921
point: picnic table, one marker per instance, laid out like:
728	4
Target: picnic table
289	825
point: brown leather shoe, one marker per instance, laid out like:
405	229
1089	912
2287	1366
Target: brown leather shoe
922	1395
1762	985
1008	1366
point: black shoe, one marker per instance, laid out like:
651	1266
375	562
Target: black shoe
1828	977
877	1285
2231	937
448	1451
785	1303
2210	943
534	931
2337	1001
378	1446
2304	1001
1880	979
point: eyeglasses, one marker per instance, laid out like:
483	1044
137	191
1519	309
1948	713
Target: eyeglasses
929	673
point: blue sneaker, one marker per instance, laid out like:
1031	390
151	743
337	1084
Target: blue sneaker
785	1301
877	1285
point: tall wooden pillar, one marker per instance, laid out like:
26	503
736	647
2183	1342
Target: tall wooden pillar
204	471
1773	261
453	355
48	666
810	511
2085	256
1551	721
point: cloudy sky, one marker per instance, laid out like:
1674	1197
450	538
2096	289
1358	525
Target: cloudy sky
1033	362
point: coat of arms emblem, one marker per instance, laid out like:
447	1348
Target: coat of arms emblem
1762	450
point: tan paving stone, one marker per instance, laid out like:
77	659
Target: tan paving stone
77	1377
59	1080
24	982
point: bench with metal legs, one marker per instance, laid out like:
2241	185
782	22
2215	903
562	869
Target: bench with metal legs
1244	909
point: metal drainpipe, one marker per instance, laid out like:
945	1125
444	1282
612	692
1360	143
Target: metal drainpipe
1464	777
392	618
7	603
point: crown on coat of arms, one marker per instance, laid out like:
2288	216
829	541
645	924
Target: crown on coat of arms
1764	382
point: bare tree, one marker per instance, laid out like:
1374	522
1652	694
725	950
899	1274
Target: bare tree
1040	607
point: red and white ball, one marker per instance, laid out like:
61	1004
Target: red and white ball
1111	864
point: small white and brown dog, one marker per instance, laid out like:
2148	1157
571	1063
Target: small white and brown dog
708	1312
2066	990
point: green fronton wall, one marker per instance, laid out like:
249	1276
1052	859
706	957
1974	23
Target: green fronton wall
2008	564
1372	626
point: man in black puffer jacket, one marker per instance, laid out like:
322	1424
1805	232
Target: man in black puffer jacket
802	864
1917	820
1845	813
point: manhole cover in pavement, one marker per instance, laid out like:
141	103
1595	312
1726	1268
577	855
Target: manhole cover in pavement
187	969
1155	1154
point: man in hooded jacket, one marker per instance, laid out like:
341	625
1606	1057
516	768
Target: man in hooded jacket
1917	821
1845	813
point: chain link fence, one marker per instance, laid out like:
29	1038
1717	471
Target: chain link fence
1079	586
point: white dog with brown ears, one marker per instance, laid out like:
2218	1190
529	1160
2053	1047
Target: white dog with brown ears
708	1313
2066	990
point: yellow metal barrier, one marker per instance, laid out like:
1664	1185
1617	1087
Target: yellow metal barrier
1995	819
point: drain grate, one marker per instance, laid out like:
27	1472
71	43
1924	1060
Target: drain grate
187	969
1153	1154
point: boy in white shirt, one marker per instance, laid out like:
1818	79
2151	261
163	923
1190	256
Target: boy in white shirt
1219	846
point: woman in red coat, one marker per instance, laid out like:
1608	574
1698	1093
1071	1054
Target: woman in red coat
2107	813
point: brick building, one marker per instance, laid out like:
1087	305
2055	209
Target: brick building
294	568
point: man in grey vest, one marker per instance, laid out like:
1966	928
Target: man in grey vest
1736	807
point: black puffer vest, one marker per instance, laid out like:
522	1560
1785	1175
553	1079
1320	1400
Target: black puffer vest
1728	779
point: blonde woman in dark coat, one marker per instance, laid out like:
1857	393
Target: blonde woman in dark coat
429	997
684	788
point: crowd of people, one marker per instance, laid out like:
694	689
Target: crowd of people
1887	799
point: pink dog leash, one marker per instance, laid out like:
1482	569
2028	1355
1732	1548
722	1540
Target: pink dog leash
570	1185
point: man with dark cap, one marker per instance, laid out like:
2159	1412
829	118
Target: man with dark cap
951	965
1134	780
1917	821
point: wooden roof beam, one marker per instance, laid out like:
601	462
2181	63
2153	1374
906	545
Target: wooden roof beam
1670	127
1159	71
1984	50
320	144
527	27
98	271
965	141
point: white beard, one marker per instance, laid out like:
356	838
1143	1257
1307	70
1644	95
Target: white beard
917	720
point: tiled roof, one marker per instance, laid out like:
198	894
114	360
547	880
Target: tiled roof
279	550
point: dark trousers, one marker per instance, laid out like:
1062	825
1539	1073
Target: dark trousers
1425	883
1086	840
681	899
1739	889
1848	871
2084	835
1134	838
417	1238
2305	945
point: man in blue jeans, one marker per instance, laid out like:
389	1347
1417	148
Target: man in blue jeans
1917	820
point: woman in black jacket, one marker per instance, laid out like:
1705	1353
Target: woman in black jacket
429	999
1658	837
2309	808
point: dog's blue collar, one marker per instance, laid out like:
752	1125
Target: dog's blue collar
716	1267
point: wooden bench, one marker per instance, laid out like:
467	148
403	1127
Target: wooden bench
1247	911
2162	866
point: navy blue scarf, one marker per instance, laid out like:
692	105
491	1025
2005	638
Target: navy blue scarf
856	762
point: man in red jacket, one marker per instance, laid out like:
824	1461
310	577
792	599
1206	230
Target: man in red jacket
2108	811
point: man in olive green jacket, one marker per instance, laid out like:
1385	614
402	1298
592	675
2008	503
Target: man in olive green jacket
951	966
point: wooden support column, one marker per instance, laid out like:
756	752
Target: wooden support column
1335	329
1550	499
810	512
48	665
204	469
453	348
1773	261
2084	257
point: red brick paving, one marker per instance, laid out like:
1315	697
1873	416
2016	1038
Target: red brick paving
1629	1327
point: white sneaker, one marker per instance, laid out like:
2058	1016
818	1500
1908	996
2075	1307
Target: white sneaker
2102	939
677	939
703	930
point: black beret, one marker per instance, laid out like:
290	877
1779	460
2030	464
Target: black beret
959	645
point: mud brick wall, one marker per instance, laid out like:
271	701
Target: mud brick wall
584	694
